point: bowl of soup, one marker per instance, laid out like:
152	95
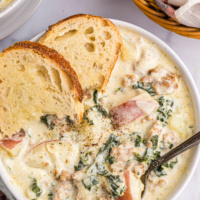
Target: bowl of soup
110	149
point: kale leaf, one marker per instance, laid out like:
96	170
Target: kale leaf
90	181
47	120
154	141
145	86
34	187
95	96
165	110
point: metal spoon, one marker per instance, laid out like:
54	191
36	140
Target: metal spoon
189	143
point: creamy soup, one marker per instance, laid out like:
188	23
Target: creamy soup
4	4
145	112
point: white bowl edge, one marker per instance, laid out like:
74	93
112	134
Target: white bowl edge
10	7
193	92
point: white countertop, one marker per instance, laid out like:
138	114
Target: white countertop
50	11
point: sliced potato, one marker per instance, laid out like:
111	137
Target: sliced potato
178	124
45	155
129	52
64	154
38	157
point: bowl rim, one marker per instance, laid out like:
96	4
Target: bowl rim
10	7
193	93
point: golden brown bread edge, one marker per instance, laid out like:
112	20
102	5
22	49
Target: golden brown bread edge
54	56
53	26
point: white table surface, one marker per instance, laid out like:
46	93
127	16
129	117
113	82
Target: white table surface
50	11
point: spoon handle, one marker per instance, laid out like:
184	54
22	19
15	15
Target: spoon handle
189	143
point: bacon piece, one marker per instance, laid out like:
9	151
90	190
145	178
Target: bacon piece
134	187
125	113
133	109
10	143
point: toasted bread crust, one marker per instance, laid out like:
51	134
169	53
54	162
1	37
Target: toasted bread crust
76	17
55	57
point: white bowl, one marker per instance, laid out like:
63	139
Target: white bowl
10	8
16	14
193	92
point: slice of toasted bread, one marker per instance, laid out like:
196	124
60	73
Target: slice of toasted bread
90	43
36	80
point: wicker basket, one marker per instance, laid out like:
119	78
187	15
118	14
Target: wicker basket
151	10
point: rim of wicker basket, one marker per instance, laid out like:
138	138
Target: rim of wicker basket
152	11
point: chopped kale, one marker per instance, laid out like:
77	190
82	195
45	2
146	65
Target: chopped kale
166	145
46	119
50	196
135	137
120	89
95	96
80	166
141	158
171	164
101	169
87	119
84	161
159	171
145	86
148	157
165	110
112	142
144	141
34	187
110	160
132	136
90	181
85	158
102	110
162	145
138	141
69	121
114	184
154	141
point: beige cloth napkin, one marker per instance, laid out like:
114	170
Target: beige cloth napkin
186	12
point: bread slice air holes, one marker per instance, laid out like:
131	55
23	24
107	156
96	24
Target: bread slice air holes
98	66
90	47
21	68
25	86
89	30
66	35
104	23
55	79
106	35
6	92
103	44
42	72
94	36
